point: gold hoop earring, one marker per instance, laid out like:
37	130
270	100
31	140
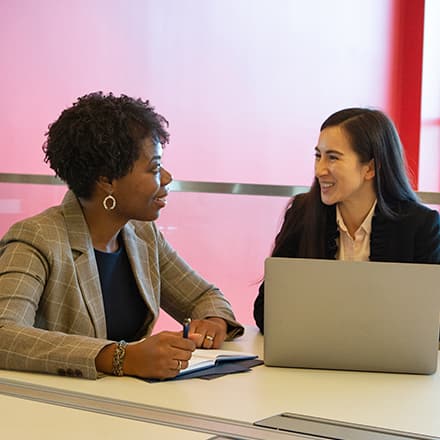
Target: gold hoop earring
109	203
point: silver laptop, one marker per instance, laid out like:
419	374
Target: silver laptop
351	315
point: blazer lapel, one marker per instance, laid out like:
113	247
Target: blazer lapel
85	262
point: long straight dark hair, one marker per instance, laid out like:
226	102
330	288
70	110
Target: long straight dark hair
372	135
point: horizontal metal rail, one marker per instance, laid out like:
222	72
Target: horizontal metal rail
251	189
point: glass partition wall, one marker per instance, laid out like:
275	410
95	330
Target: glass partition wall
223	230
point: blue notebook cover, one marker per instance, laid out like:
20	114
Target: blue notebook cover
214	363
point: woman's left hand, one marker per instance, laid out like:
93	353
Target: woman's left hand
208	333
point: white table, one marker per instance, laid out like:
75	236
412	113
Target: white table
394	401
21	419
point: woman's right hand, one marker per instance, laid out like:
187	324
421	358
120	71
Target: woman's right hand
160	356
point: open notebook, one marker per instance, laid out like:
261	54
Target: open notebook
209	364
204	359
351	315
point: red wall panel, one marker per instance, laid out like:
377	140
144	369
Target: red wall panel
406	77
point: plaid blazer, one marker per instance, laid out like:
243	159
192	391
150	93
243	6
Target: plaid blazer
52	316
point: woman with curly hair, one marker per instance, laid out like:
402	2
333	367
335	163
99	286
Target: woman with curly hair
361	205
81	284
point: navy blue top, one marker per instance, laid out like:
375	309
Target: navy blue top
125	311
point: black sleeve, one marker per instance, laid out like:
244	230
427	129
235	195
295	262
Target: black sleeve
428	239
287	248
259	308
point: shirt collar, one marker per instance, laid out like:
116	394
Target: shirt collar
366	224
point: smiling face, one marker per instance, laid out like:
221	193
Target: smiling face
141	193
341	175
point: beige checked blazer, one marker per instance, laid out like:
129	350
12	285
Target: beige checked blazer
51	308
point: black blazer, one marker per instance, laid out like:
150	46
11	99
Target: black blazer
414	237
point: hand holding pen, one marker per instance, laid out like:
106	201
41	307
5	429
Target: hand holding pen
206	333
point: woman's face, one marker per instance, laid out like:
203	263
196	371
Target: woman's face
341	176
142	193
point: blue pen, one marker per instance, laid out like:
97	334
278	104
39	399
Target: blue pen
186	324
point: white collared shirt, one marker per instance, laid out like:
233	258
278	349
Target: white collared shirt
357	248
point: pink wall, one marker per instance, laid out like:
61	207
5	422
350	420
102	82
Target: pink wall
245	85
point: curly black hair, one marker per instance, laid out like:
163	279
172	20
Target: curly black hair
100	135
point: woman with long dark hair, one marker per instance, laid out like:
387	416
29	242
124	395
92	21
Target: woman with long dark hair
361	205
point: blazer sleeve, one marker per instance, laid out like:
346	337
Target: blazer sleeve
287	249
184	293
259	308
25	267
427	243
